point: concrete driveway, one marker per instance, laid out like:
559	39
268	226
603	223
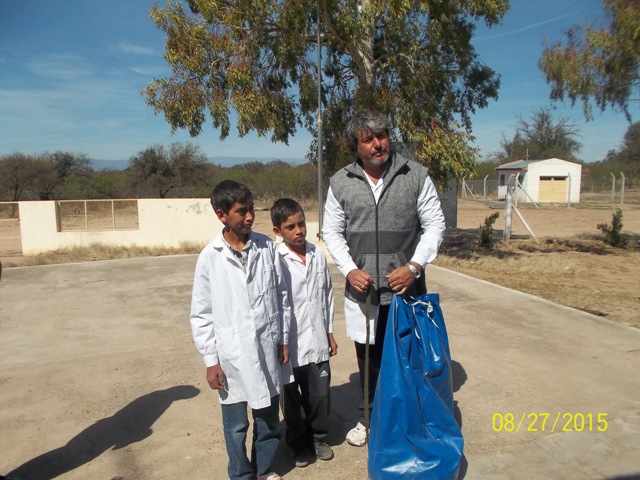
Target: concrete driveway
99	379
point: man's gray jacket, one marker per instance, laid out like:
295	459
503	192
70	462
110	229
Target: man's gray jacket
381	236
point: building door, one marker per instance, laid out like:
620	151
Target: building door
553	189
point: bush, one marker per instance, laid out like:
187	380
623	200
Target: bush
613	234
486	230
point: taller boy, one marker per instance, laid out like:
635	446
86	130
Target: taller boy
240	318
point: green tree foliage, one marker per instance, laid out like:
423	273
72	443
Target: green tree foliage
158	170
540	137
598	64
412	60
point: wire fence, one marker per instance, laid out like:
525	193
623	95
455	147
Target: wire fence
598	201
75	215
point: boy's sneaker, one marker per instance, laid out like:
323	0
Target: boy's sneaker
357	436
323	451
299	458
273	476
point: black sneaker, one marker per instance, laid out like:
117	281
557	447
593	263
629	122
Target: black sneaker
299	458
323	451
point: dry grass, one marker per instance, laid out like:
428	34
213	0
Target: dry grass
582	273
101	252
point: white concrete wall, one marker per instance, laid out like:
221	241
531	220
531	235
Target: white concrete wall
162	223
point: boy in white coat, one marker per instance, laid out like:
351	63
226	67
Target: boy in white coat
240	318
311	341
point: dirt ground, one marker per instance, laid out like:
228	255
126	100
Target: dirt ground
575	268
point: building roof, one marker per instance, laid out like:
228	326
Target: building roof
524	164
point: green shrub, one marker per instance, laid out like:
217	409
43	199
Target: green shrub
613	234
486	230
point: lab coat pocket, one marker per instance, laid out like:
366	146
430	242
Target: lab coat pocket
229	344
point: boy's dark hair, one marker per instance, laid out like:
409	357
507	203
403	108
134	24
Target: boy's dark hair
228	192
282	209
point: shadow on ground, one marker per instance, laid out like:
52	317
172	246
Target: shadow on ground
129	425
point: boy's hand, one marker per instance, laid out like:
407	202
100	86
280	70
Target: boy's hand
216	377
283	354
333	346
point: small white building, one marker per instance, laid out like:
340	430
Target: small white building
543	181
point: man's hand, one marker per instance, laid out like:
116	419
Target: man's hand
283	354
401	279
216	377
360	280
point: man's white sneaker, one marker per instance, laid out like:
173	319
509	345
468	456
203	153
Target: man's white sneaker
357	436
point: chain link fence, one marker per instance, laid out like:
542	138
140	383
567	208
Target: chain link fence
599	200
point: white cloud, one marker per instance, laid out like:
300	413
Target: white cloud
133	49
149	71
60	66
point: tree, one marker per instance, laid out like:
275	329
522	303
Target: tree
540	137
160	170
66	165
412	60
629	153
598	64
627	158
21	174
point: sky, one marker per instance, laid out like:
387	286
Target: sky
71	73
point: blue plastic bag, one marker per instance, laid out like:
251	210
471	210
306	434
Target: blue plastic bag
414	434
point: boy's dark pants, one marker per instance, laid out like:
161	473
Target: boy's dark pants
375	360
266	438
309	393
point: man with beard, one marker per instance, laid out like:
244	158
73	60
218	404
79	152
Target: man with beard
383	224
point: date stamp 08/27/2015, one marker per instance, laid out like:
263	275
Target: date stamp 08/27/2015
549	422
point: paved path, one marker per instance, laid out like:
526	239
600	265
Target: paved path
99	379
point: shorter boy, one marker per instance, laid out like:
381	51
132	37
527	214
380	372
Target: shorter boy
311	341
240	319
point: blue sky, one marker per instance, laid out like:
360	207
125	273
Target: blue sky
72	72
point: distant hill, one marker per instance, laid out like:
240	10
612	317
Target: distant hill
222	161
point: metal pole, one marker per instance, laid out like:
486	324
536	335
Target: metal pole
320	182
622	182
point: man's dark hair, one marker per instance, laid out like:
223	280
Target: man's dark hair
365	120
228	192
282	209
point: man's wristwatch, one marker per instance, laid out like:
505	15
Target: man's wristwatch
414	271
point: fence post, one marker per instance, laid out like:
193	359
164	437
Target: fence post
506	233
613	187
622	188
484	192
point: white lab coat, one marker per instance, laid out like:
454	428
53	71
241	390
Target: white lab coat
239	318
311	297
